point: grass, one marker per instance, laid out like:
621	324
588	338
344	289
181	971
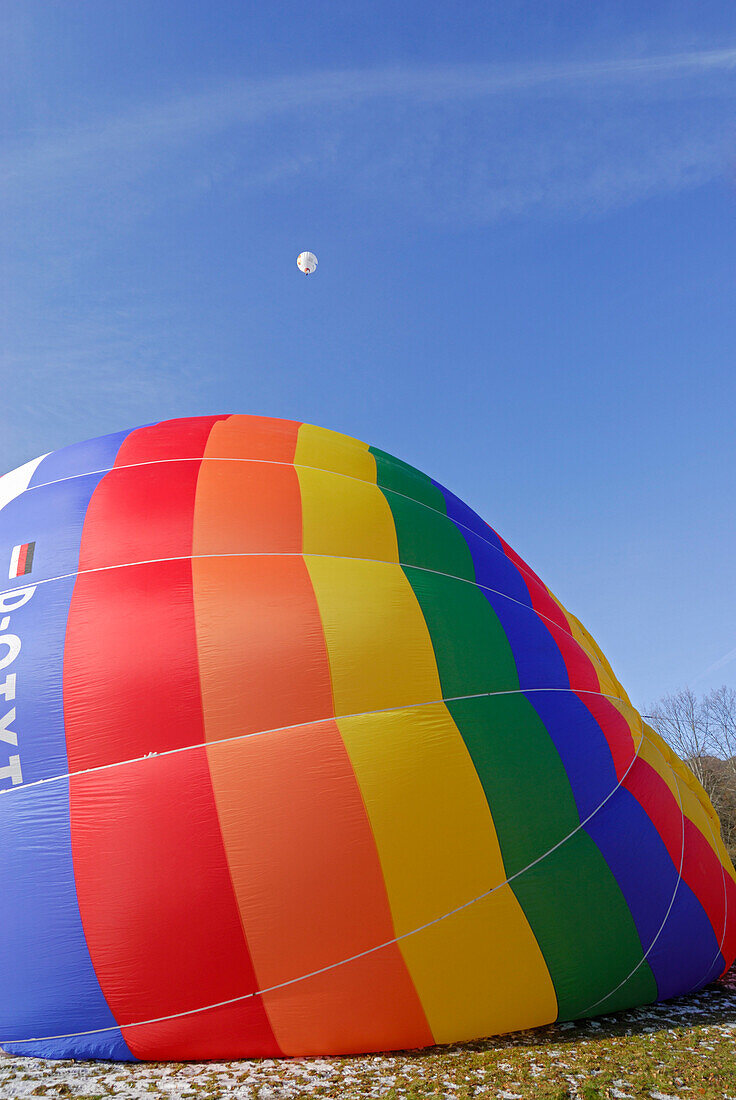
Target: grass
684	1048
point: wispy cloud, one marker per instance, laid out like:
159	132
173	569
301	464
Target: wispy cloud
719	664
92	373
469	142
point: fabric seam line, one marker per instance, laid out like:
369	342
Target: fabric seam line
298	554
522	568
303	725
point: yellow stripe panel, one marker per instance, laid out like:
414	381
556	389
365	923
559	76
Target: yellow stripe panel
481	969
379	647
596	650
345	517
608	683
326	450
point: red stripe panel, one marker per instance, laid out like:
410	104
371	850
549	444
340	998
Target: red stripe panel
541	599
729	943
131	684
135	624
705	876
158	909
184	438
615	729
580	669
142	513
146	512
155	894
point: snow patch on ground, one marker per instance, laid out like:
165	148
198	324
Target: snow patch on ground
474	1069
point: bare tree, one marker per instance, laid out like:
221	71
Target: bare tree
683	721
721	707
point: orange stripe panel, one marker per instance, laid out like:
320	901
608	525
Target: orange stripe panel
261	650
247	508
311	894
300	849
254	437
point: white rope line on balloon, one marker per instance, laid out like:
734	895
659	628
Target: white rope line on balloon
641	962
279	462
300	554
424	569
303	725
520	566
352	958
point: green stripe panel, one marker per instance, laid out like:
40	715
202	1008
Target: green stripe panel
428	539
394	474
570	898
471	647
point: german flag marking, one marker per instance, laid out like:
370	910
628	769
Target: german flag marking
21	560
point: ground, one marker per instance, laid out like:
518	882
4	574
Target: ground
684	1048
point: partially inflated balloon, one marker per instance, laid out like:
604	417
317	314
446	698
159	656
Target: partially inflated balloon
298	756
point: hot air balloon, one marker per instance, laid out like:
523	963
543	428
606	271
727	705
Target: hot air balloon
300	757
307	262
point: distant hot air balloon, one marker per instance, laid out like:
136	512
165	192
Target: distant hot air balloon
307	262
297	756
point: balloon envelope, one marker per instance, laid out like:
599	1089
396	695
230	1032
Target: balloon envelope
307	262
299	757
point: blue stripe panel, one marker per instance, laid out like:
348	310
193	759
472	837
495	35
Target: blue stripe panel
106	1047
714	971
91	456
582	746
539	663
494	569
643	869
52	517
49	983
462	513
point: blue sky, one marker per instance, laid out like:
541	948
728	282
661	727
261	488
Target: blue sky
525	215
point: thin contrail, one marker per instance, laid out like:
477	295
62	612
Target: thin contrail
724	660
